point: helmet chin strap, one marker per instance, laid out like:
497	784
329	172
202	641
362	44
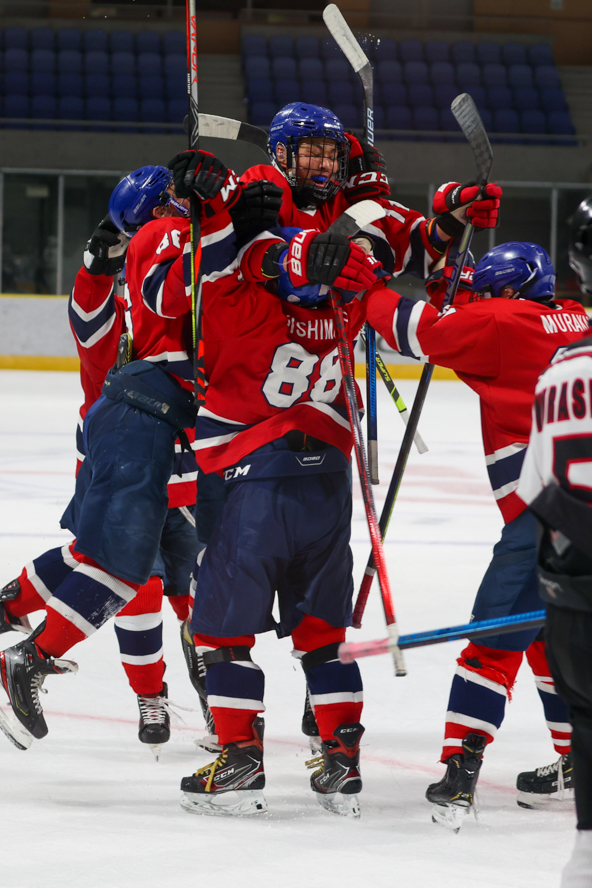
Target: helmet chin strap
179	207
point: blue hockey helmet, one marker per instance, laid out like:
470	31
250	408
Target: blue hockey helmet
295	123
134	198
525	267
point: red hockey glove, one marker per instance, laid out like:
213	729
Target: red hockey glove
481	202
366	172
330	259
201	172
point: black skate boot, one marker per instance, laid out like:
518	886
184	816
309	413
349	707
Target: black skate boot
310	728
23	669
155	721
197	676
8	623
232	785
453	796
552	783
337	781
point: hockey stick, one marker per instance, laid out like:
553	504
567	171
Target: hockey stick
194	212
215	127
345	39
465	111
348	223
349	651
398	401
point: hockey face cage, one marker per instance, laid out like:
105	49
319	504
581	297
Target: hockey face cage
316	167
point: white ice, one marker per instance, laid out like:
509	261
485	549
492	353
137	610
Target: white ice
89	807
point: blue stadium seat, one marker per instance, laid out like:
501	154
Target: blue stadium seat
151	86
69	61
43	84
520	75
70	108
95	41
448	121
252	45
540	54
309	69
420	94
255	66
123	63
506	120
379	118
42	38
69	39
533	121
444	94
43	61
487	118
415	72
425	118
97	86
394	93
43	108
16	83
262	113
437	51
341	92
148	41
398	117
411	51
281	45
16	106
442	73
284	67
98	108
175	65
514	54
368	45
463	51
467	75
16	60
488	53
494	75
149	63
176	110
125	111
16	38
552	99
307	48
153	111
546	76
260	90
287	91
314	92
70	85
175	87
386	50
96	62
121	41
175	43
337	70
126	86
478	95
499	97
560	123
330	49
389	71
349	115
526	98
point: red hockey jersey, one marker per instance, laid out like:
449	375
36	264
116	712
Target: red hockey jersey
498	347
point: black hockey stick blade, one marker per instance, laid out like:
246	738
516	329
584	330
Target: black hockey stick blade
464	109
356	217
226	128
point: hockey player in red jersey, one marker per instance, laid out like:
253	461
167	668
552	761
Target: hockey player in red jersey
129	437
497	340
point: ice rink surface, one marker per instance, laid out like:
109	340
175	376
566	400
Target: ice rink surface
89	807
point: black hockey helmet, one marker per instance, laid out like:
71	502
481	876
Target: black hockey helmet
580	244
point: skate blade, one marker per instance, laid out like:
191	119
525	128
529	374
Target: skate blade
209	742
316	745
65	666
24	626
535	800
450	816
16	733
338	803
155	749
239	803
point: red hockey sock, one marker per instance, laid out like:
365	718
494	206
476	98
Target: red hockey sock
28	600
180	604
233	725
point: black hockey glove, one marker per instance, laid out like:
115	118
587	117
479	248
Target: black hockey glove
256	209
105	251
366	172
204	174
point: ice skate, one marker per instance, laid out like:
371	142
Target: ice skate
310	728
197	675
7	622
155	721
232	785
337	781
453	797
23	669
551	783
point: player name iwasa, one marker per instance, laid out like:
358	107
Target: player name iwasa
572	401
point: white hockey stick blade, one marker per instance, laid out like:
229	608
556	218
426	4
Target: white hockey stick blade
344	37
465	111
357	217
